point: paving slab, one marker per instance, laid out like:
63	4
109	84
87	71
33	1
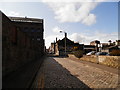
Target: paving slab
60	72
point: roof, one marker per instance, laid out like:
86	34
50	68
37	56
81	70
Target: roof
95	41
68	42
25	19
118	40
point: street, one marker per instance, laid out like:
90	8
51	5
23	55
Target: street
58	72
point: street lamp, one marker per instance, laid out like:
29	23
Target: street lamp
65	39
97	59
96	47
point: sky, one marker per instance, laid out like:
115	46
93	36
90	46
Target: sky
83	21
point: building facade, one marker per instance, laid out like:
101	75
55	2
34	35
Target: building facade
22	42
94	43
58	47
32	27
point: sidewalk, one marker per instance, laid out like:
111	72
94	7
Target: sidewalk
57	72
24	76
53	75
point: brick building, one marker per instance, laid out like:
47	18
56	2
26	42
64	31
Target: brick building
89	48
58	47
94	43
22	41
52	48
32	27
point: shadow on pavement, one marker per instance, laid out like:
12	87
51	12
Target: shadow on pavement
56	76
23	76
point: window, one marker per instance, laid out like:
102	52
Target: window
25	29
37	30
38	39
14	35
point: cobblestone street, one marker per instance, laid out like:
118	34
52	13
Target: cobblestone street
66	73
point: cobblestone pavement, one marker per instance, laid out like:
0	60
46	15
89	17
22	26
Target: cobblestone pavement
65	73
23	77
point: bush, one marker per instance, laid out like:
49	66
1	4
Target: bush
115	53
78	53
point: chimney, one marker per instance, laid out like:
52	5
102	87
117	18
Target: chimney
56	39
65	35
54	47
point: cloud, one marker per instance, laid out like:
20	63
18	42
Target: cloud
74	11
91	19
20	1
58	0
79	0
86	38
13	13
56	29
76	37
51	38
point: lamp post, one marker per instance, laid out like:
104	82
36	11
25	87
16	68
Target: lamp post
65	40
96	46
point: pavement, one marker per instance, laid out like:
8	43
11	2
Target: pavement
100	66
59	72
53	75
22	77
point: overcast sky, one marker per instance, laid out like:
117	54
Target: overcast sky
83	21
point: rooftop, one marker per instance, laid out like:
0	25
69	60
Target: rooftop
25	19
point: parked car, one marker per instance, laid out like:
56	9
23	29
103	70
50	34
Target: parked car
102	53
91	53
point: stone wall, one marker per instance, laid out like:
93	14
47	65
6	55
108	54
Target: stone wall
91	58
17	47
111	61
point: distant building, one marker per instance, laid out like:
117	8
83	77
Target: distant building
108	47
59	46
52	48
113	48
94	43
117	42
89	48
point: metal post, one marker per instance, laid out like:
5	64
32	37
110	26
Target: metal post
97	58
65	40
96	47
